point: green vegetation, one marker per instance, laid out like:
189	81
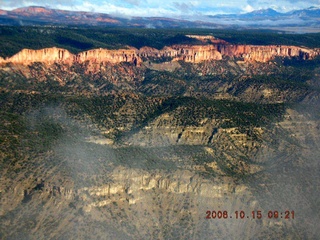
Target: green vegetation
263	37
13	39
304	66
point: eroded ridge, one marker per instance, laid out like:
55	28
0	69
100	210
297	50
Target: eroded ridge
217	50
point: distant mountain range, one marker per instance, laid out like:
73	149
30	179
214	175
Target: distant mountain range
265	18
35	15
271	14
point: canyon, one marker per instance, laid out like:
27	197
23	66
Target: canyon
140	143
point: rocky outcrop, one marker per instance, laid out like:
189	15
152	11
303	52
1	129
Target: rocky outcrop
136	184
148	52
208	39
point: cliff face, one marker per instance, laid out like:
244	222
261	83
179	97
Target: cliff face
187	53
46	55
104	55
197	53
148	52
178	52
265	53
51	55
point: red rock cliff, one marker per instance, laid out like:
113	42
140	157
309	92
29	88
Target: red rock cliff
148	52
178	52
197	53
105	55
47	55
188	53
265	53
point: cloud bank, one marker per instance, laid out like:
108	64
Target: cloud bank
168	8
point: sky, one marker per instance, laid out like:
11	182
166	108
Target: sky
167	8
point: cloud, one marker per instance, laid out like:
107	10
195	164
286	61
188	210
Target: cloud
170	8
304	1
183	7
248	8
133	2
11	4
283	5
